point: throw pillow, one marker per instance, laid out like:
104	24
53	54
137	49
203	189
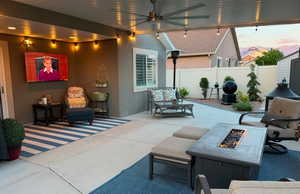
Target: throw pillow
77	102
157	95
169	94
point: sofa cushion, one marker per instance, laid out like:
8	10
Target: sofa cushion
174	147
265	187
268	119
189	132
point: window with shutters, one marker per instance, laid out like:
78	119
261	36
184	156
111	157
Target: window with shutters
145	69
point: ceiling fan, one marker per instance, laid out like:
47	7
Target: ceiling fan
156	17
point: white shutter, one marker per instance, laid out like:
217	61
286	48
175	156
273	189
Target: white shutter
140	63
150	76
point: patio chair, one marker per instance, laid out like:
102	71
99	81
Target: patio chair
282	121
77	106
99	103
201	184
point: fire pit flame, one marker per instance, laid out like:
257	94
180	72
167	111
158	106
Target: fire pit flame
233	138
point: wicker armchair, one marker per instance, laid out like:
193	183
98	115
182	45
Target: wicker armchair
282	121
77	106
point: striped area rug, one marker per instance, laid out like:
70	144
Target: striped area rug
40	138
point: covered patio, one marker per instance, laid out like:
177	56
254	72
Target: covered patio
57	54
87	164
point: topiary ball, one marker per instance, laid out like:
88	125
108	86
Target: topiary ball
13	132
229	87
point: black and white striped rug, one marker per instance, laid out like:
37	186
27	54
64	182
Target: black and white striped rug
40	138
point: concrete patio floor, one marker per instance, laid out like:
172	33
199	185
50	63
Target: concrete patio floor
84	165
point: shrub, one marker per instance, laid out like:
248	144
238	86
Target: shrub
242	98
204	83
252	85
13	133
242	107
183	92
204	86
228	78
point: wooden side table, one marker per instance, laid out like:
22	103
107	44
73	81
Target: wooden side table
48	112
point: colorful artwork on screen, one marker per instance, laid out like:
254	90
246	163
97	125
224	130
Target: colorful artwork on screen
43	67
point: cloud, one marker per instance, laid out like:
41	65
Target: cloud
287	41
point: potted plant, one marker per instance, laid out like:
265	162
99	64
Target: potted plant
204	86
14	135
183	92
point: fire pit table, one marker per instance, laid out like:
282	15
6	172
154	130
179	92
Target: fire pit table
229	152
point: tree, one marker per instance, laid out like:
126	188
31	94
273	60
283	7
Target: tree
269	58
253	91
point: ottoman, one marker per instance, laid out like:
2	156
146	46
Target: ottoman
188	132
172	152
80	114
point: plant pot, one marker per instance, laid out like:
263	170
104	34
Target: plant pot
14	153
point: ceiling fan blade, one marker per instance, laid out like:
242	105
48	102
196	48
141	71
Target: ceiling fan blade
188	17
129	13
137	19
174	23
184	10
139	23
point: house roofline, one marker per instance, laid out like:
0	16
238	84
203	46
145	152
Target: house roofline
290	55
236	43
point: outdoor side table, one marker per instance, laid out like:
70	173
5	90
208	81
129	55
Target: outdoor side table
173	110
48	115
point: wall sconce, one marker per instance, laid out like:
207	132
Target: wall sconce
53	43
96	44
132	36
28	43
76	46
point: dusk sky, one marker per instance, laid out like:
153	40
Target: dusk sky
269	36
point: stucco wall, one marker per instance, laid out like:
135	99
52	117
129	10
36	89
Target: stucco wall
189	78
190	62
132	102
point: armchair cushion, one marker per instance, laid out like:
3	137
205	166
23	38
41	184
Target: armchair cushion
286	108
268	119
77	102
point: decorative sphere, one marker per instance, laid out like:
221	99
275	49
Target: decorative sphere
229	87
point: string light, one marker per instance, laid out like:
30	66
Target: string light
218	32
132	36
157	35
53	43
76	46
185	34
96	44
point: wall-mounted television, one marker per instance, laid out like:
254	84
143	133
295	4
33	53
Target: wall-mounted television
42	67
